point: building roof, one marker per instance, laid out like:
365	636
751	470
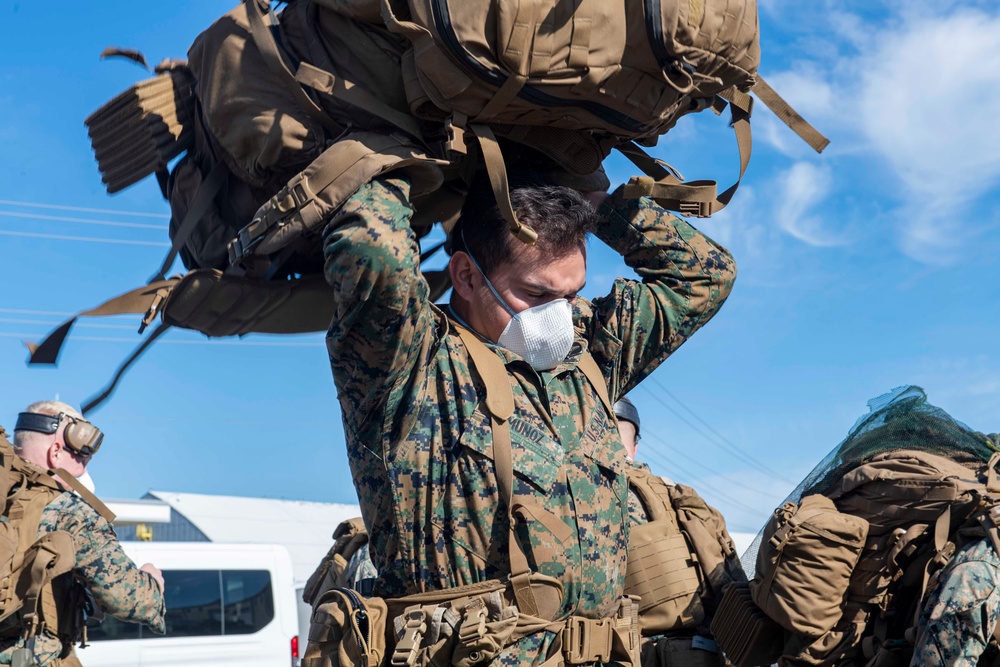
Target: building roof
304	528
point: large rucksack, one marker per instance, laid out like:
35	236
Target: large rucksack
845	573
30	565
278	119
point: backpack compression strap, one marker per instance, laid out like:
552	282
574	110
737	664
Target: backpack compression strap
85	493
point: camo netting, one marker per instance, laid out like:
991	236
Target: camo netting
900	419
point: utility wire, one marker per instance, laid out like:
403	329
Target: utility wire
80	209
137	339
21	311
729	447
706	468
83	221
89	325
91	239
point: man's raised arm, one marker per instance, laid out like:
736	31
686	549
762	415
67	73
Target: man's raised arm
686	278
383	317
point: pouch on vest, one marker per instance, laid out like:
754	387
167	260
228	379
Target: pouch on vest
807	554
346	630
348	537
662	570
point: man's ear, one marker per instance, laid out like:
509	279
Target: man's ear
463	274
52	455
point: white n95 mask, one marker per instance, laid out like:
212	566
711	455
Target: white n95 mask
541	335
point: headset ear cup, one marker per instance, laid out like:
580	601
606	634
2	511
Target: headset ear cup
82	437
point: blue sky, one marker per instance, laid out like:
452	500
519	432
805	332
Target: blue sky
870	266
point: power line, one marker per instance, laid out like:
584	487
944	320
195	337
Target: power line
91	239
108	339
706	468
84	221
89	325
80	209
21	311
729	447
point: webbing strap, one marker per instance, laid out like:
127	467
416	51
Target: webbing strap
789	116
500	405
85	493
497	171
269	50
695	198
133	302
522	35
583	23
592	371
328	84
204	197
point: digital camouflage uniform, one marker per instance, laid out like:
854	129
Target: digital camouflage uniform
119	587
961	610
419	445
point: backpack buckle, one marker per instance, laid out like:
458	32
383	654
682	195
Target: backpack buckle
695	209
587	640
414	627
454	128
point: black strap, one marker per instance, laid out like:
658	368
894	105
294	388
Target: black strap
95	401
204	197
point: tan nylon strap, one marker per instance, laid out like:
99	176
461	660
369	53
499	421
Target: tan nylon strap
203	199
500	404
657	505
592	371
326	83
520	44
583	24
85	493
504	95
133	302
497	171
789	116
268	48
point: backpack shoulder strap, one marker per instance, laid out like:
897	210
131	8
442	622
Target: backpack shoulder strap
85	493
593	372
652	492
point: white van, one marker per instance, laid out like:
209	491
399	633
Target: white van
227	604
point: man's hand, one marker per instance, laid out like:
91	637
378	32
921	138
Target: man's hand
154	572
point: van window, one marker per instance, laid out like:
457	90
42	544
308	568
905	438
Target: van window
249	605
202	603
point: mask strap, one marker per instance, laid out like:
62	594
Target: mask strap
496	294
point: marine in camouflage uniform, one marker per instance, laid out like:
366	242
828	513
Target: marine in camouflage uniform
962	609
419	444
117	585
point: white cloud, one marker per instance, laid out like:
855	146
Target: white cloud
800	189
930	96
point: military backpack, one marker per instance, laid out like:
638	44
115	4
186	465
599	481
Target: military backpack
276	119
33	594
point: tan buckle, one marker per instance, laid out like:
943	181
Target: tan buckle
414	627
695	209
474	624
455	129
587	640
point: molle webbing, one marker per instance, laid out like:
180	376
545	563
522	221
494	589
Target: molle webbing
662	568
141	130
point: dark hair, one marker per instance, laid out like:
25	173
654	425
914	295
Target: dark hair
561	216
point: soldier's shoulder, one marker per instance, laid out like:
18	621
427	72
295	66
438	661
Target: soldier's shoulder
69	512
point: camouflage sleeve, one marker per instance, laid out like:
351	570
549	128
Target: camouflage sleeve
383	316
121	588
686	278
961	610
